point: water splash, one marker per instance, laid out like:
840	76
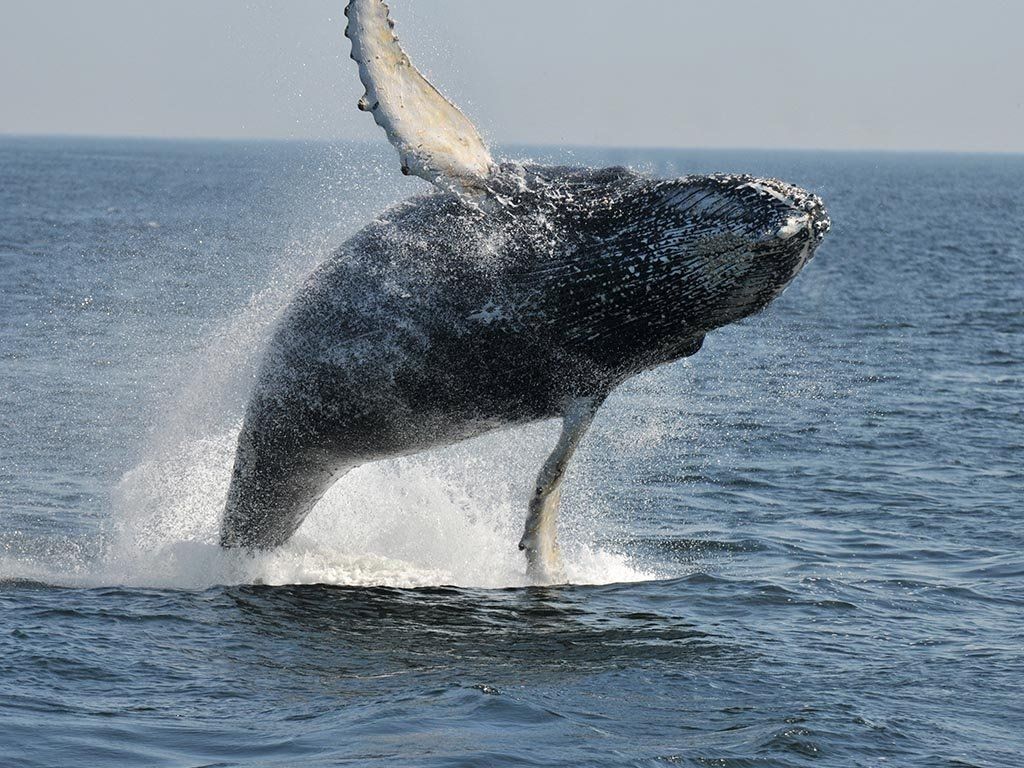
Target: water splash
451	516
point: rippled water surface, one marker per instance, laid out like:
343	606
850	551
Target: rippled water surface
803	546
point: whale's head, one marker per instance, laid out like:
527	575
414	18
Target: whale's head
672	260
729	245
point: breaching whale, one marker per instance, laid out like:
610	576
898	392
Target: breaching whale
513	293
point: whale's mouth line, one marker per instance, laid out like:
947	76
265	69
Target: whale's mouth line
788	194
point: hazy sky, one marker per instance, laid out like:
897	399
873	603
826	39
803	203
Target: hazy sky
892	74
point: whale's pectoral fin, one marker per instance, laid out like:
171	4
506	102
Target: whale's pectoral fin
434	139
540	542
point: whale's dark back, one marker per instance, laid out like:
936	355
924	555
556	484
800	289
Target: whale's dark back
439	321
582	279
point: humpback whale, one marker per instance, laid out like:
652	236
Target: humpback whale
513	293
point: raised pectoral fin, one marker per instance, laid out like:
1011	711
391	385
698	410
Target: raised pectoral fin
434	139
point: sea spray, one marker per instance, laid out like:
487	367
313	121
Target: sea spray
451	517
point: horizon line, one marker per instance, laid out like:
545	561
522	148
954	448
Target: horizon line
512	145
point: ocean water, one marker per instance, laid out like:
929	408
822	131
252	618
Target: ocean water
803	546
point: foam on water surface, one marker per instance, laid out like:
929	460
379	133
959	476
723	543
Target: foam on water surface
447	517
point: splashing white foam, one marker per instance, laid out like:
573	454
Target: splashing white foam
448	517
451	516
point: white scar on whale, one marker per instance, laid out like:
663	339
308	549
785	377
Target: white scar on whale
515	293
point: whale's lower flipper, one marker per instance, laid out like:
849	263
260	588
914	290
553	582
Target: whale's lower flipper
540	540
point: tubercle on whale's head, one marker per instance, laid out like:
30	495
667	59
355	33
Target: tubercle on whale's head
734	243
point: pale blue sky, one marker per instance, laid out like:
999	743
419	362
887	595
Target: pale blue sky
901	74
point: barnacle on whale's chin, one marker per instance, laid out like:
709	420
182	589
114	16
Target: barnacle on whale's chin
806	210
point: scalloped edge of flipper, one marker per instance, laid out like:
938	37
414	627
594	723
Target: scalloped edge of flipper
434	139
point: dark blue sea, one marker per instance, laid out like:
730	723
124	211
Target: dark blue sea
803	546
